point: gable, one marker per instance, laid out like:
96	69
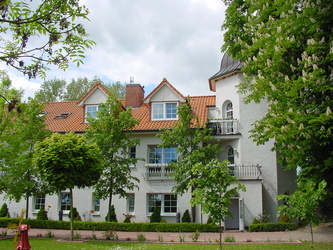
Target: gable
165	94
96	97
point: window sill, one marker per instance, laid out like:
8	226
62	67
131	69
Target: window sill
96	214
166	215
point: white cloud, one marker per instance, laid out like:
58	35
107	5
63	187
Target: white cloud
149	40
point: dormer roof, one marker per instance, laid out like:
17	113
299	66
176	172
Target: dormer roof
229	66
97	87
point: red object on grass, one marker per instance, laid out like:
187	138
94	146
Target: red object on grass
23	243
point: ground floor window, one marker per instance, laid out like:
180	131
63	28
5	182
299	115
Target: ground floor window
65	201
96	205
166	202
39	202
131	203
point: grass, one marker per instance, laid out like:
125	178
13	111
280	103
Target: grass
43	244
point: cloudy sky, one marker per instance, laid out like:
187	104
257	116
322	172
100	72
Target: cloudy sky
148	40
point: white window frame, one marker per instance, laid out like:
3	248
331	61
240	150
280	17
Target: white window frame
91	106
231	155
229	110
163	151
162	106
67	205
131	203
38	202
162	199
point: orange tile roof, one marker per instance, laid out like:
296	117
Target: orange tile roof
75	121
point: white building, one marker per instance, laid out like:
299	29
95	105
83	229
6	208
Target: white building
230	118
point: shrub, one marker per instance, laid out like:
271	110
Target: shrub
42	214
156	215
76	215
255	221
229	239
4	212
186	217
163	221
210	220
272	227
113	216
284	218
263	218
127	218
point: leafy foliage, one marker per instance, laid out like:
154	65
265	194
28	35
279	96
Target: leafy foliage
286	47
42	214
156	215
186	216
111	216
76	215
33	35
110	130
4	212
272	227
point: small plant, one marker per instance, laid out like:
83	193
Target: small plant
195	236
42	214
4	212
156	215
210	220
141	237
76	215
93	237
163	221
4	232
113	216
284	219
77	236
186	217
263	218
127	218
49	234
110	235
181	238
229	239
160	238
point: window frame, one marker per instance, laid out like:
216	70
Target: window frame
160	111
164	153
38	203
161	198
90	106
131	203
67	205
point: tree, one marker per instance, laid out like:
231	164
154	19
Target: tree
110	130
156	215
21	179
77	88
287	53
303	204
51	90
186	216
116	89
36	34
213	190
194	144
60	158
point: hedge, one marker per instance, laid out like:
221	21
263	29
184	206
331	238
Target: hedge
113	226
272	227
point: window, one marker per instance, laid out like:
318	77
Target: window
229	112
164	111
40	202
65	201
132	152
166	202
162	155
131	203
96	205
231	155
91	110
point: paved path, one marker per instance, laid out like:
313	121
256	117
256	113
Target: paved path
242	237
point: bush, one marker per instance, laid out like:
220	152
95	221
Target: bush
104	226
4	212
113	216
156	215
42	214
186	217
272	227
255	221
210	220
76	215
284	219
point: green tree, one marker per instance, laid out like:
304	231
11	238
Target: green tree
21	179
51	90
4	212
156	215
77	88
286	47
213	190
116	89
303	204
60	158
186	216
110	130
34	35
194	144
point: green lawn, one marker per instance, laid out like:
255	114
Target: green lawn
43	244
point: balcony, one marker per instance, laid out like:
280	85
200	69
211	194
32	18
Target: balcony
241	172
224	127
246	171
158	172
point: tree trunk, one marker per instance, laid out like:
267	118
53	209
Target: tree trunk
110	202
311	235
72	215
220	224
27	207
193	209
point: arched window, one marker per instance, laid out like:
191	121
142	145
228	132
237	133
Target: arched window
231	155
229	112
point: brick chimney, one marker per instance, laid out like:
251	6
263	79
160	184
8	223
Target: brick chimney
134	95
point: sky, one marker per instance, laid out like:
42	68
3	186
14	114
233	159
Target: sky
148	40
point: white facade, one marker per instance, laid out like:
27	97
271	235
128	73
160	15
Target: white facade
255	166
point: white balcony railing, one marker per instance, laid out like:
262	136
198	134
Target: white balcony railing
158	172
246	171
241	172
224	127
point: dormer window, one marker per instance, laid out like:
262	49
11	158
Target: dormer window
164	111
91	110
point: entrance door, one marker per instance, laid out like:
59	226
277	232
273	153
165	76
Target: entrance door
233	223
